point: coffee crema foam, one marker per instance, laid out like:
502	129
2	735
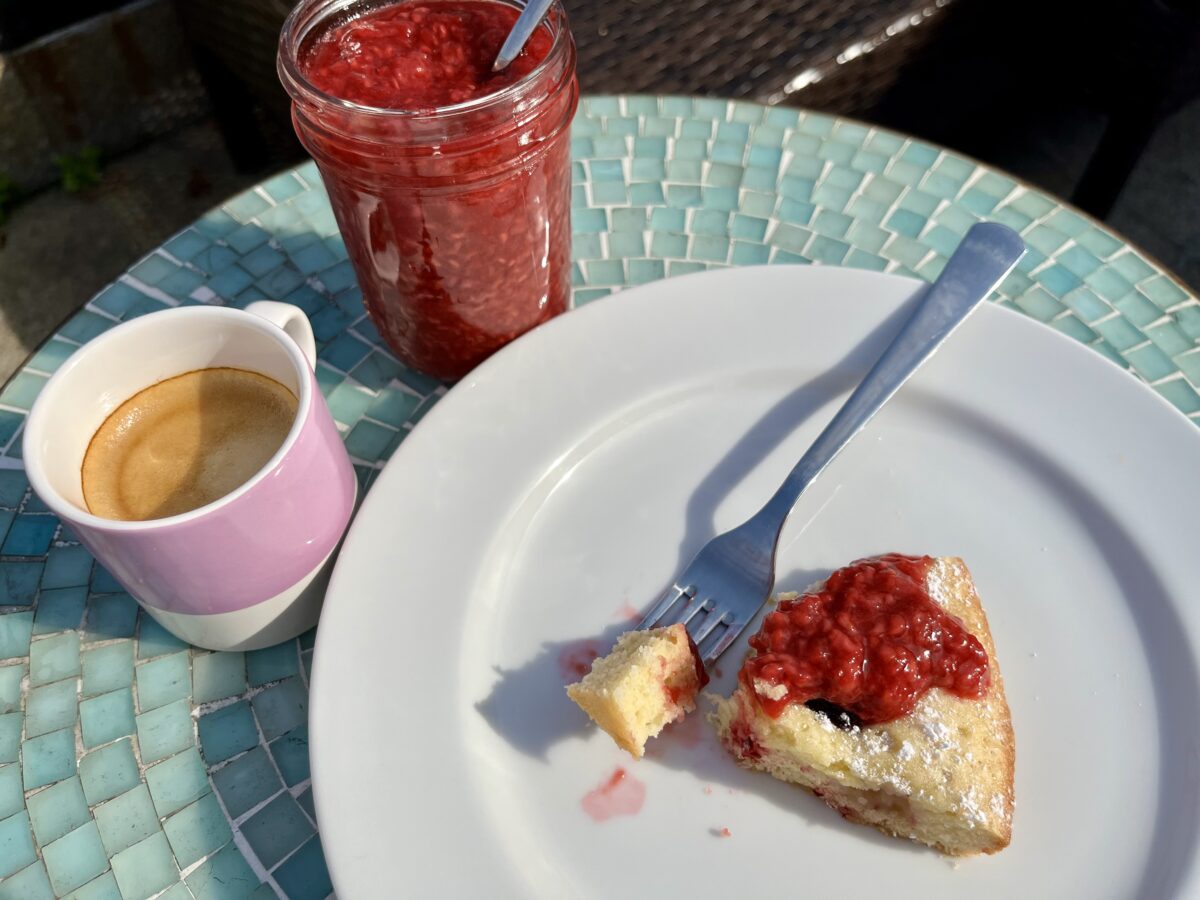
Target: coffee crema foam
184	443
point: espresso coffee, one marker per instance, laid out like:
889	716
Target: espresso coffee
185	442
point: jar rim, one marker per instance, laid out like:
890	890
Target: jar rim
308	14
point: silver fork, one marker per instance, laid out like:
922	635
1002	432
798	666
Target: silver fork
718	594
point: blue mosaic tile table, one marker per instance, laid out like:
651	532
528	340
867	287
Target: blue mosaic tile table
134	766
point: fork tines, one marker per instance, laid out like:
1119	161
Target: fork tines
702	617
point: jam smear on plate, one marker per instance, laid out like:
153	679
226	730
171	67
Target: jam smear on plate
575	660
619	795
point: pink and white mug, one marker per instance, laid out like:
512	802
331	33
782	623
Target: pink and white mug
249	569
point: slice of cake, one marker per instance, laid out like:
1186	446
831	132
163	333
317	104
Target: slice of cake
648	680
879	691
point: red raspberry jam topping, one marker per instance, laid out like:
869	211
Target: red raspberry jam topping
871	641
420	56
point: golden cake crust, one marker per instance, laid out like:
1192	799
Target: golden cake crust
942	775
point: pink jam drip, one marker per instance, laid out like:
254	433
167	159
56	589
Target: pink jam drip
619	795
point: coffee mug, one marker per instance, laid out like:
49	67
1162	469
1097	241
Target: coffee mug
249	569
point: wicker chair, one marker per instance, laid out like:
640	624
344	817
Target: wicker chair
1035	64
827	54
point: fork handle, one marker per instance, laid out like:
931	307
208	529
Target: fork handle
985	256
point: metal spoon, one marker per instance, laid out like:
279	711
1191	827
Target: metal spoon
529	19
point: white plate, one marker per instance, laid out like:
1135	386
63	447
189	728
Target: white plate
572	475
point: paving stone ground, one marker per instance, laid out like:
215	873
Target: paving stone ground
57	249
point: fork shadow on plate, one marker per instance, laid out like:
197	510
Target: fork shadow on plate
777	425
528	705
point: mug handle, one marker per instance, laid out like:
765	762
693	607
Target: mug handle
294	323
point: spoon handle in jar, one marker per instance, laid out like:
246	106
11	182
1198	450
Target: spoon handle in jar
527	22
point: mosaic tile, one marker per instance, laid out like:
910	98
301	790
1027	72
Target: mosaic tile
109	771
54	658
126	819
277	829
13	488
110	616
393	407
66	568
51	708
304	874
224	874
163	680
218	675
145	868
1099	242
59	609
12	791
31	883
749	254
10	423
186	245
10	736
75	858
48	758
176	782
247	781
227	731
57	810
28	537
197	830
307	804
1135	307
281	708
164	731
102	888
10	687
15	631
106	717
16	844
367	440
179	891
290	753
154	640
107	668
1040	304
1181	395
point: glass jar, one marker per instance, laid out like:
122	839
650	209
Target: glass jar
456	219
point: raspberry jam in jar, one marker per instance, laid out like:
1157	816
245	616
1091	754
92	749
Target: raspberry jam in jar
450	183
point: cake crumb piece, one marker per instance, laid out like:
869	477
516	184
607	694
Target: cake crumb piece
647	681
